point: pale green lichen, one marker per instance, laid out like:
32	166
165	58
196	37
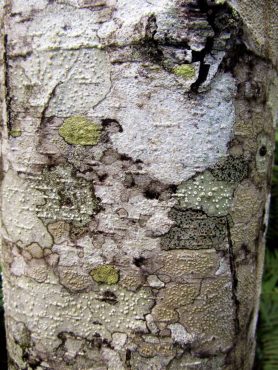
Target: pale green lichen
186	71
106	274
205	193
79	130
15	133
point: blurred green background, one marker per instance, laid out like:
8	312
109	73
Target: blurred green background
267	333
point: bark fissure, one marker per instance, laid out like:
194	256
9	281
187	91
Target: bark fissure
50	96
7	93
234	280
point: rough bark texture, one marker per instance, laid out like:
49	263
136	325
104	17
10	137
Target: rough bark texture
137	151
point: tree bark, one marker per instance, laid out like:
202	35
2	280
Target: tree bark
137	144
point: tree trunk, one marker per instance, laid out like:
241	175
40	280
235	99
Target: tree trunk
137	146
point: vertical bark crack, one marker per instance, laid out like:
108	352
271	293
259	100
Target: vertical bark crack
234	278
7	95
204	67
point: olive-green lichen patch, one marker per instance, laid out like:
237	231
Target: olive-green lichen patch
79	130
194	230
231	169
106	274
186	71
205	193
15	133
66	197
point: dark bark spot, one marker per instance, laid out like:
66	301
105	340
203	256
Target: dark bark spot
112	125
151	194
109	297
139	261
102	177
263	151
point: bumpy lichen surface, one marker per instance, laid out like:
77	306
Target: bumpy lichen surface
194	230
186	71
106	274
206	193
79	130
134	200
67	197
231	169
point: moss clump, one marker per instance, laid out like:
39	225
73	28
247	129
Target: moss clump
106	274
15	133
185	70
79	130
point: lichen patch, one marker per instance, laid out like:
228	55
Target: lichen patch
187	71
78	130
67	197
106	274
204	192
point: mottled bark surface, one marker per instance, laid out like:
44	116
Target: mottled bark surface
137	145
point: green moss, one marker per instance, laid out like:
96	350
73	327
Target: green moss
185	70
79	130
106	274
15	133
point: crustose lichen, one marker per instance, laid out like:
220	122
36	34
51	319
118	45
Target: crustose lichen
106	274
186	71
79	130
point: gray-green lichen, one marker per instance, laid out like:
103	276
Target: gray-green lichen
67	197
194	230
206	193
101	314
231	169
19	200
80	130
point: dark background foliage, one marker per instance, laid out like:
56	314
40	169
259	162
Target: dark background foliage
3	356
267	348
